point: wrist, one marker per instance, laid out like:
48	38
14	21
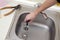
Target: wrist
36	12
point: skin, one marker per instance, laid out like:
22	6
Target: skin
44	6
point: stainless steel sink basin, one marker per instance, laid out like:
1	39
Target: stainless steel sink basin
39	29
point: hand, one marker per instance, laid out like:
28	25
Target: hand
30	17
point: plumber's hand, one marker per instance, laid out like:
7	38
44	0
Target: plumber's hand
30	17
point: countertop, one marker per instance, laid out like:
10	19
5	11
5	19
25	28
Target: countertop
6	21
4	26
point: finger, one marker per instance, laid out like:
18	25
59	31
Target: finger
27	20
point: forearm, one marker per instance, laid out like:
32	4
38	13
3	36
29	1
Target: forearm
45	5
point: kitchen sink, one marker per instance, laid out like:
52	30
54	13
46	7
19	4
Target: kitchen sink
39	29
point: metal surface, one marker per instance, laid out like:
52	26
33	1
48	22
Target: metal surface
39	29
